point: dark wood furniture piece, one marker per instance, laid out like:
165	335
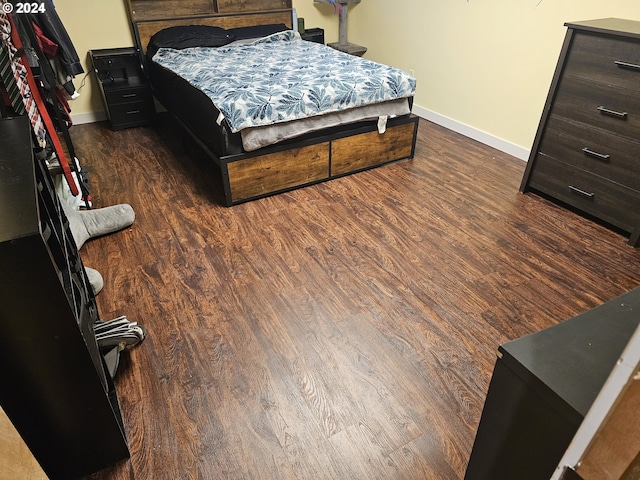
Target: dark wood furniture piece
312	158
125	92
55	390
586	152
542	387
313	35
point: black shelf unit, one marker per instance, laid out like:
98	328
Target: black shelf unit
56	390
542	387
126	94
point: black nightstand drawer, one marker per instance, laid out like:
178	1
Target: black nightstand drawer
125	115
127	95
609	201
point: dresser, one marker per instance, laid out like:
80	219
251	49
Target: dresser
125	91
586	153
55	388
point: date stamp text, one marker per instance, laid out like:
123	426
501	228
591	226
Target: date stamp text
24	7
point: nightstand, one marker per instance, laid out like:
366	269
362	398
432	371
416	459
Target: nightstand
125	92
313	35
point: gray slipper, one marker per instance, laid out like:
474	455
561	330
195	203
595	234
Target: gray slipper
86	224
95	280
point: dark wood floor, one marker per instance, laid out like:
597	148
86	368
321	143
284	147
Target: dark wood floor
343	331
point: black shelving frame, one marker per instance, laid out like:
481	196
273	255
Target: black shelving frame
55	387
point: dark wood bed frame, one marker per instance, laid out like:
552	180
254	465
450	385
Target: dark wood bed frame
313	158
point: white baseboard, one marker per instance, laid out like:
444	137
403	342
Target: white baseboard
90	117
467	131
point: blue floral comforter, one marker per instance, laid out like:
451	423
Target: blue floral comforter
282	77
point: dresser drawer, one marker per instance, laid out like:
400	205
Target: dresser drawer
602	106
597	151
609	201
605	59
127	95
126	115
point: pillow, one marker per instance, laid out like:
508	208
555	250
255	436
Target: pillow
243	33
186	36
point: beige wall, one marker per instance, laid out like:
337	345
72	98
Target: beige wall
93	24
485	64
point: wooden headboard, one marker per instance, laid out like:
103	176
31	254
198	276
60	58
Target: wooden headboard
151	16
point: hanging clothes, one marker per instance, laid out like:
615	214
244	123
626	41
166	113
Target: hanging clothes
34	105
18	81
52	27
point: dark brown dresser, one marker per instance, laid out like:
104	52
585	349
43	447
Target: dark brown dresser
586	153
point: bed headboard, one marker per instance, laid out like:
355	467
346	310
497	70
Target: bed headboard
150	16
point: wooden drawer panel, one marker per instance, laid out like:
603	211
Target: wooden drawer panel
127	95
146	10
228	6
593	57
608	155
368	149
584	101
590	193
257	176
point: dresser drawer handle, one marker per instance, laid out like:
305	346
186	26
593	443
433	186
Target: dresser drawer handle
613	113
600	156
581	192
133	112
129	95
631	66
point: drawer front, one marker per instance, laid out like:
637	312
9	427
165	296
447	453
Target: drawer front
358	152
605	59
599	105
597	196
127	95
253	177
131	114
597	151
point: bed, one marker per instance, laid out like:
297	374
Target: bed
273	151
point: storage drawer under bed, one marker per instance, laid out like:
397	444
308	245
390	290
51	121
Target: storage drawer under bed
281	170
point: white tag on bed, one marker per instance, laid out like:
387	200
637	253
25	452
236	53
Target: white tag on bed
220	119
382	124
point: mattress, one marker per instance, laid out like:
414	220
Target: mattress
194	110
237	98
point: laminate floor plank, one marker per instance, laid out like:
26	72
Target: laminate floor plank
347	330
